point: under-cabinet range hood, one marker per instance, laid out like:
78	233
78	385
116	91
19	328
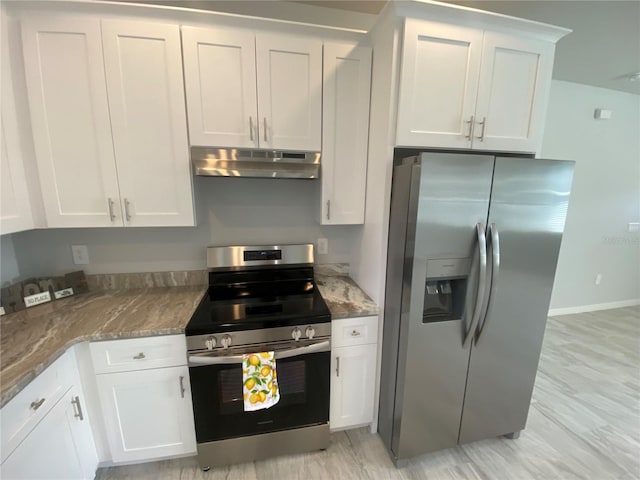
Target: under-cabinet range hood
232	162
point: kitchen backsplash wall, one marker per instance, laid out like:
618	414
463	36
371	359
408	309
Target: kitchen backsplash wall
230	211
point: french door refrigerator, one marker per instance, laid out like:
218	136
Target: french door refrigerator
473	247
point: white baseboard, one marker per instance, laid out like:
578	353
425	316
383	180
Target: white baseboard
592	308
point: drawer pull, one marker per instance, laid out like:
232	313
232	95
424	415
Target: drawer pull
76	403
37	404
139	356
355	333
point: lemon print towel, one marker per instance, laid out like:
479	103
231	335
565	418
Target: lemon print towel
260	387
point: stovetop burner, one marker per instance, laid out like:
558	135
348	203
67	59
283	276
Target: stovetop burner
277	292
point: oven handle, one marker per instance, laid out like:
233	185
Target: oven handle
201	360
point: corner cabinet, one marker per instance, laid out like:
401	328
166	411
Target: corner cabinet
353	371
268	86
46	431
345	133
463	87
108	114
147	411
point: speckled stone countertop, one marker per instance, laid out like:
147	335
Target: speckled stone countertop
344	297
31	340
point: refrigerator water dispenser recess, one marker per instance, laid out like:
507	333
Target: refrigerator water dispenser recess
445	289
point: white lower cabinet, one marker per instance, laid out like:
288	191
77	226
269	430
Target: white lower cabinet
147	414
353	371
46	433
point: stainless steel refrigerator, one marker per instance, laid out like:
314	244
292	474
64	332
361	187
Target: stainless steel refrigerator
473	248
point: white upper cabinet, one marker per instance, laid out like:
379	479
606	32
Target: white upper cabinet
220	83
289	92
70	120
15	204
465	87
143	65
439	84
109	121
253	92
514	83
347	88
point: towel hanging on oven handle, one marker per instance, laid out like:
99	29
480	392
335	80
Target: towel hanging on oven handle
201	360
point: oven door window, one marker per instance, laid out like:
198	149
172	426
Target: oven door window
219	408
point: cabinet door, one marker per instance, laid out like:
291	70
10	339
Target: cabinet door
345	113
15	205
512	97
58	448
148	414
352	385
70	120
220	83
438	84
143	65
289	92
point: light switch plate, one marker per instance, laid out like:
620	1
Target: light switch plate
633	227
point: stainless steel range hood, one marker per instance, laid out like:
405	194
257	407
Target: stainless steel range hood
232	162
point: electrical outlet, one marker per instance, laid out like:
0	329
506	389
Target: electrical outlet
80	254
598	279
323	246
633	227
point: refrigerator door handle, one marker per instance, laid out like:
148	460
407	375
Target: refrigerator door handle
482	281
494	237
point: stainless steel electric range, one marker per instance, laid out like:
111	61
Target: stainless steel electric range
259	299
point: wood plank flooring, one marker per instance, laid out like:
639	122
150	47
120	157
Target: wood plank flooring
584	423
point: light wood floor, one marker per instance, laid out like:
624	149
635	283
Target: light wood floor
584	423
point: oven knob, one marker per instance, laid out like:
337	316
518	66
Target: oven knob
310	332
226	341
210	343
296	333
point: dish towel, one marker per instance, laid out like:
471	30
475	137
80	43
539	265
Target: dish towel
259	384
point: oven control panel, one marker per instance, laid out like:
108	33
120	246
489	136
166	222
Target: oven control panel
265	335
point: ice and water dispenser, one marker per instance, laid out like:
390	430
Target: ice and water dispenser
445	289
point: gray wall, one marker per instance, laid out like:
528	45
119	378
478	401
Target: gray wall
605	195
229	211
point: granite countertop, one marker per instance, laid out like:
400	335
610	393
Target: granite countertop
31	340
344	297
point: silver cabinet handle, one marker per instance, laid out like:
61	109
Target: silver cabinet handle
328	209
127	213
182	390
37	404
139	356
76	404
265	129
112	215
482	279
251	128
494	247
337	366
470	132
483	123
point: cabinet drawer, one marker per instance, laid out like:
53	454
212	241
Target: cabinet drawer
354	331
138	353
25	410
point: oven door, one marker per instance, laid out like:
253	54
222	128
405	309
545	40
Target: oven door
216	388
